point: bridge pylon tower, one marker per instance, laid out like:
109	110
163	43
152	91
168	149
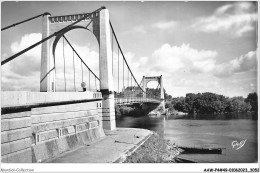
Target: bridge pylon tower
98	24
147	79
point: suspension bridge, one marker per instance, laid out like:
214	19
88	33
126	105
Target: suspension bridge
78	103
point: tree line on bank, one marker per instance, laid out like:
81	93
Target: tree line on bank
208	103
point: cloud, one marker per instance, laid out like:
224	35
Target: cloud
174	63
240	64
14	79
136	29
23	72
163	25
237	19
139	29
172	59
221	10
26	41
11	81
29	62
204	66
187	69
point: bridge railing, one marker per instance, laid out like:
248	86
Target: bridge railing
133	96
131	100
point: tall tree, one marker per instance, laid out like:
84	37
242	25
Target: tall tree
189	100
252	99
237	104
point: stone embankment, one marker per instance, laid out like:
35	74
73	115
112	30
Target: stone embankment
124	145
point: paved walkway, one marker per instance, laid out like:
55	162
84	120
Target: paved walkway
114	147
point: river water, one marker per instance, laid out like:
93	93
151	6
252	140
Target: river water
218	131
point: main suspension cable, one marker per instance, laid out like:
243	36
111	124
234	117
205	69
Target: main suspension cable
123	54
18	23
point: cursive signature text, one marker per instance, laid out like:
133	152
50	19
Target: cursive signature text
237	145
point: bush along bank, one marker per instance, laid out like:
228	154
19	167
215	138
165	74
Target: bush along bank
154	150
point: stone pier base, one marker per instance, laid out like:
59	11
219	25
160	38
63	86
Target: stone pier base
108	112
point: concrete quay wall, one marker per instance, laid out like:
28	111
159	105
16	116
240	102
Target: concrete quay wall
37	126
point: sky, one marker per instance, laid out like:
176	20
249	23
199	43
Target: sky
196	46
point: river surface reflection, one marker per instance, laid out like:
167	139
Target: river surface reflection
206	131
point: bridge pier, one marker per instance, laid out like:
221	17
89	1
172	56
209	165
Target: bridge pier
162	105
106	76
108	112
45	83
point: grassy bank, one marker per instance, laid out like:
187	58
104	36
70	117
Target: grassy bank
154	150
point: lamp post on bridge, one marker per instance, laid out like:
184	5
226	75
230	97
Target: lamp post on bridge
83	85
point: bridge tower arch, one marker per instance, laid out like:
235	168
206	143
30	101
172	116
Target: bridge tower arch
98	24
158	79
